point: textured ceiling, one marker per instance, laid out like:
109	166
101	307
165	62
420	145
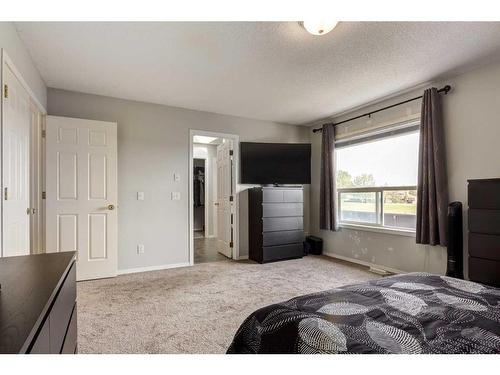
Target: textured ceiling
263	70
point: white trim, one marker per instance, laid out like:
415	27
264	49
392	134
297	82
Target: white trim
385	230
236	161
243	257
127	271
37	171
363	263
7	60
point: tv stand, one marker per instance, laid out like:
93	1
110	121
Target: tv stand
276	223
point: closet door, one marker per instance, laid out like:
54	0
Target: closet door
81	200
15	166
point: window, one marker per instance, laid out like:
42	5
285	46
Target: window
376	180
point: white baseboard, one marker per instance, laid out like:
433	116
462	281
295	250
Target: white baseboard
152	268
243	257
363	263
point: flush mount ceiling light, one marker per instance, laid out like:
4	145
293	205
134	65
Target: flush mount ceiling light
319	27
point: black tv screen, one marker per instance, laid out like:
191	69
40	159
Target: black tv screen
275	163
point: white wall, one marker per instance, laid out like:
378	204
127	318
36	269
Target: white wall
10	41
472	127
153	142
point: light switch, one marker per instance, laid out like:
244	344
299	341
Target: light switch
140	195
140	248
177	177
176	196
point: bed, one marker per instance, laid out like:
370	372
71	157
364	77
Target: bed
408	313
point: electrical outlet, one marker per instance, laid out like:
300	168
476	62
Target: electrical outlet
177	177
140	249
176	196
140	195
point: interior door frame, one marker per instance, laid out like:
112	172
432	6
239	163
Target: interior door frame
235	173
6	61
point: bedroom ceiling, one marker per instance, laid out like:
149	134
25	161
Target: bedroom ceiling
263	70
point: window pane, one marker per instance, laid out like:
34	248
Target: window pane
358	207
400	209
390	161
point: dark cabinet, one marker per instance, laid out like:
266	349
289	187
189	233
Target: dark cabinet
484	231
276	223
38	304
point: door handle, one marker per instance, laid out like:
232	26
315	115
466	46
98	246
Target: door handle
111	207
216	203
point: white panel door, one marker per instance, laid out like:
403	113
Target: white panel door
81	193
224	198
15	167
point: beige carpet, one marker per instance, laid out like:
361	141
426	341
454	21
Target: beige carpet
194	309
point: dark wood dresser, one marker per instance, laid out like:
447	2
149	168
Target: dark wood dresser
484	231
276	223
38	304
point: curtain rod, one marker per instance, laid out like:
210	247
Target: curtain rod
445	89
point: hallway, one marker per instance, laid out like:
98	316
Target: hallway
205	250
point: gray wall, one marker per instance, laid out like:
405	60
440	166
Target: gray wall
153	142
10	41
472	126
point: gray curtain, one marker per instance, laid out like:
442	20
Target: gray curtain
327	184
432	189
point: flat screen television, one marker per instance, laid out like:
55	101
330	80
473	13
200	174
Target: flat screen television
275	163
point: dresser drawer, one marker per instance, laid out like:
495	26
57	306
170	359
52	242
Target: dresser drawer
271	253
484	271
282	223
282	238
282	196
282	209
484	221
485	246
484	194
60	313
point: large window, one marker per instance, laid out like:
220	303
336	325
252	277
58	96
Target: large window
376	181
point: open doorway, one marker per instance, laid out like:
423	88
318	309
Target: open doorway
213	200
201	196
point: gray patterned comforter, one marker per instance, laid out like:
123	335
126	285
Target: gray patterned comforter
410	313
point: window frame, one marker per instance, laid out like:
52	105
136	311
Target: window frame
391	131
379	210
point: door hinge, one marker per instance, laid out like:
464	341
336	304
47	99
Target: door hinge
44	195
231	152
231	244
5	91
5	193
231	198
44	133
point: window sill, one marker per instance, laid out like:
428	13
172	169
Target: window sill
385	230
